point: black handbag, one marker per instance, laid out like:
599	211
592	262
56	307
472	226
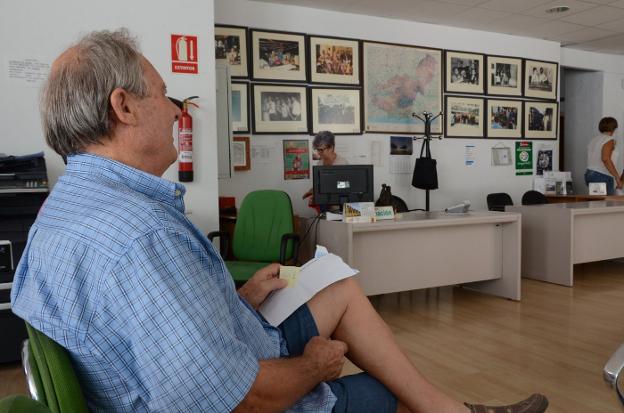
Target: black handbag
425	171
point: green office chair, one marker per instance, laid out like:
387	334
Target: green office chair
264	233
51	377
19	403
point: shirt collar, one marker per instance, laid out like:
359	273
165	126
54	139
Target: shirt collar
154	187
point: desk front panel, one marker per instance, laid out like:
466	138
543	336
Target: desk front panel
598	237
400	260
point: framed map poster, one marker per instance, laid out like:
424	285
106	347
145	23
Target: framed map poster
400	80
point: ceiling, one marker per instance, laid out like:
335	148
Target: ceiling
595	25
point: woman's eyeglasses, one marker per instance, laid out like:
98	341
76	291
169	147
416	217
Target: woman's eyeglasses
321	149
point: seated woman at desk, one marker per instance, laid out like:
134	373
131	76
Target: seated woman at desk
602	157
324	144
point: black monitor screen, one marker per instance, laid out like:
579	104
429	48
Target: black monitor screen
337	184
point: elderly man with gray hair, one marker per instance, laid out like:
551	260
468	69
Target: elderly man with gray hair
115	273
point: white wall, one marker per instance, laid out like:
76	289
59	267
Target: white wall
43	29
457	182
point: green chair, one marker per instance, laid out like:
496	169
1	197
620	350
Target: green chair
19	403
264	233
51	377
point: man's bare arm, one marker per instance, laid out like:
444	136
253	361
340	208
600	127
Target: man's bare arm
281	382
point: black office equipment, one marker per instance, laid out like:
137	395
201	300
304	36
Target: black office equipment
339	184
23	189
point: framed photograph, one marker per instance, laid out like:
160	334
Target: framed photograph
336	110
540	79
334	60
400	80
241	160
278	56
464	117
231	48
540	120
279	109
464	72
504	76
504	119
240	107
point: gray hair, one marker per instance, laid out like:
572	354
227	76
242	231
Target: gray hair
324	138
75	106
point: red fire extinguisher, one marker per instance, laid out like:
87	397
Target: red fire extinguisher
185	142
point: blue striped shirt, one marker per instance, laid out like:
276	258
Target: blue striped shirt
115	273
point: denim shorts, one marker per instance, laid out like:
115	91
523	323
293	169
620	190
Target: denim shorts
595	176
357	393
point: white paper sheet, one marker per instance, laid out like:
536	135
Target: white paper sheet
314	275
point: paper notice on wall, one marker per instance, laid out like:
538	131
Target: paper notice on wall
262	153
401	164
376	157
469	155
31	71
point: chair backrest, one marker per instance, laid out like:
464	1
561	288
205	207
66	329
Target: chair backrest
58	385
533	198
263	218
497	201
18	403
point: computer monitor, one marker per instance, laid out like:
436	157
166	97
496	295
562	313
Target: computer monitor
337	184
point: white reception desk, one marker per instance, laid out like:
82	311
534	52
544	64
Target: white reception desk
557	236
431	249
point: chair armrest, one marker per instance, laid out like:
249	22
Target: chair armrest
612	372
284	246
224	241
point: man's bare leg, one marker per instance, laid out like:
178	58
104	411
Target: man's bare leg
343	312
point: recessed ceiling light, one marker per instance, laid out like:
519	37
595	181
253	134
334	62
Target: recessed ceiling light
557	9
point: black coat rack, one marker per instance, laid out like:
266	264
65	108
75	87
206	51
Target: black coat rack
428	118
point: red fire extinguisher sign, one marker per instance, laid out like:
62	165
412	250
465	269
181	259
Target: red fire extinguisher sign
185	142
183	53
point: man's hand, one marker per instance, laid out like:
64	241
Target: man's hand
263	282
327	356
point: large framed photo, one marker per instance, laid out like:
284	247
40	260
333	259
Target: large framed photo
231	48
336	110
334	60
464	117
464	72
400	80
279	109
241	159
504	76
240	107
540	120
278	56
540	79
504	119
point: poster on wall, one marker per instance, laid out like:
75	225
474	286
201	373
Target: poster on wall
400	80
544	160
296	159
184	54
524	158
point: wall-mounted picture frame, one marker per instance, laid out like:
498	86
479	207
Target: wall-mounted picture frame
334	60
239	115
464	72
241	158
278	56
231	48
465	117
504	119
279	109
400	80
336	109
504	76
540	120
540	79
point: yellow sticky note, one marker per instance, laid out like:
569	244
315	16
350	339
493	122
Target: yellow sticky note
290	274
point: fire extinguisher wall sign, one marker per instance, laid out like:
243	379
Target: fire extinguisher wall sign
185	142
184	53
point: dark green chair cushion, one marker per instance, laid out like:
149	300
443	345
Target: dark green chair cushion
60	384
241	271
21	404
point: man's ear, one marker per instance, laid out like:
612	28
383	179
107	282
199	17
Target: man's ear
123	106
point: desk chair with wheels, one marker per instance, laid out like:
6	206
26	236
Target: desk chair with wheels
498	201
50	374
264	233
533	198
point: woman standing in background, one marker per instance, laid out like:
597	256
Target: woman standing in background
602	157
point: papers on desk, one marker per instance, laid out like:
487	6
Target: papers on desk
303	284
